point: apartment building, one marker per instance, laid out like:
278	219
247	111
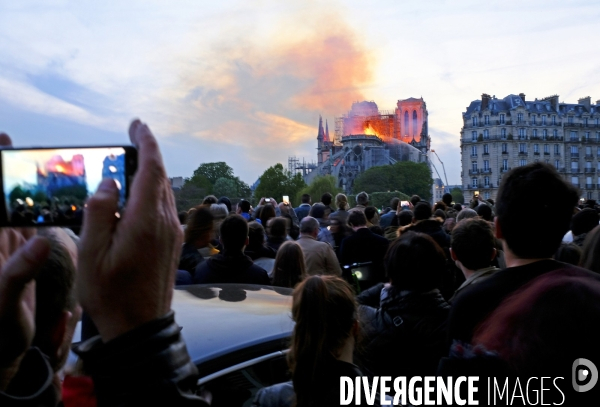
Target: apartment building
500	134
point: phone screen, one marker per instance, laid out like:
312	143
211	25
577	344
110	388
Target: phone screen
50	186
286	199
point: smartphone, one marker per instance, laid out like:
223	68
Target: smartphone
403	203
476	193
267	199
50	186
286	199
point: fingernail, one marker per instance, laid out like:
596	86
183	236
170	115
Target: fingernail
107	185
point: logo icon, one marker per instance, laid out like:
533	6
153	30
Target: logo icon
585	375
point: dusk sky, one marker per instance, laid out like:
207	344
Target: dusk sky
245	82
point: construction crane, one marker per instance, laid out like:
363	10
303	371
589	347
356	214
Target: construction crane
443	167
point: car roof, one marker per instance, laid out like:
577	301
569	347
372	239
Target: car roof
223	319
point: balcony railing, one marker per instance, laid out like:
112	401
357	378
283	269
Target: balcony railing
590	186
589	156
473	172
505	152
575	155
575	170
486	171
546	152
556	153
523	153
582	125
536	153
502	169
561	169
474	155
590	170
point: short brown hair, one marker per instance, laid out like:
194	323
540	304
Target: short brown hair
473	243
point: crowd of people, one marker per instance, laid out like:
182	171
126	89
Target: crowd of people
509	287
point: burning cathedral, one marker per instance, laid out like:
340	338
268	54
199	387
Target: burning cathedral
367	137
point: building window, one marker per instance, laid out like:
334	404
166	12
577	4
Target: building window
474	135
555	133
522	134
570	119
486	195
486	149
505	165
486	134
486	181
544	119
474	151
474	166
474	182
504	148
534	132
406	123
522	162
536	148
519	117
487	119
486	165
414	123
557	164
575	181
522	147
556	149
587	136
573	136
553	119
533	119
588	165
574	166
503	133
585	122
501	118
574	150
588	151
546	149
598	152
598	136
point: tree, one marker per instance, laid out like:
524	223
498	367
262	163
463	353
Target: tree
226	187
319	186
409	177
276	182
457	195
213	171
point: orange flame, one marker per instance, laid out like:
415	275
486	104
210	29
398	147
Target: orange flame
368	130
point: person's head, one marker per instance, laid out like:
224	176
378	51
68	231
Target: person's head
305	199
341	202
182	215
405	218
568	253
209	200
422	211
394	203
473	243
528	236
244	206
458	207
466	213
414	200
224	200
357	219
56	310
447	199
289	268
198	231
362	198
372	215
546	326
584	221
277	228
219	212
325	313
268	212
439	205
284	208
440	214
317	211
256	236
590	256
234	233
326	198
449	224
485	212
415	262
309	226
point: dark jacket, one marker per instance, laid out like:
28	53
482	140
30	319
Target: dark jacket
190	258
405	335
431	227
364	246
147	366
474	304
386	220
302	211
222	268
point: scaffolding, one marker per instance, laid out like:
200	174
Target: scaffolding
303	167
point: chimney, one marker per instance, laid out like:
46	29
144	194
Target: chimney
522	96
586	101
485	101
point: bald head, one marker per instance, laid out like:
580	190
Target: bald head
309	226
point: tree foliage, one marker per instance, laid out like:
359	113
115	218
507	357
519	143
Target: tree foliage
226	187
319	186
276	182
409	177
213	171
457	196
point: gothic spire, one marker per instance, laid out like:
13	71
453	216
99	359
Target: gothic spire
321	135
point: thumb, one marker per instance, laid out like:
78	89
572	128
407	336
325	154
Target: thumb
20	269
99	217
